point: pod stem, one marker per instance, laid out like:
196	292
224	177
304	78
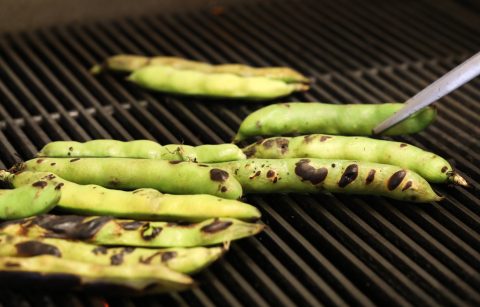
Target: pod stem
458	180
6	176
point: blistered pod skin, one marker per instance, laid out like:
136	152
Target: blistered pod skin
174	177
427	164
190	82
139	204
344	119
37	197
76	275
183	260
142	149
129	63
104	230
337	176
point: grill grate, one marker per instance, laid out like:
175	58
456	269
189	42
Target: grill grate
319	249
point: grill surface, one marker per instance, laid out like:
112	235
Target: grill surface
320	249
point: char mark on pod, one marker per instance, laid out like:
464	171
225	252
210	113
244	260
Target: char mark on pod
216	226
323	138
59	186
71	226
100	250
40	184
308	138
407	185
403	145
134	225
74	160
251	151
116	259
175	161
395	180
371	176
154	232
349	175
268	143
309	173
40	160
218	175
282	144
444	169
35	248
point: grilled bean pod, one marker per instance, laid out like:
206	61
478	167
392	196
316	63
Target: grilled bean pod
142	149
129	63
428	165
39	196
183	260
128	280
105	230
139	204
216	85
124	173
338	176
314	117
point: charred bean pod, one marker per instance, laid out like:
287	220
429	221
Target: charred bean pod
37	197
175	177
142	149
427	164
314	117
215	85
139	204
337	176
183	260
76	275
129	63
105	230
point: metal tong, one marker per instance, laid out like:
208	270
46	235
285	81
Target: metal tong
443	86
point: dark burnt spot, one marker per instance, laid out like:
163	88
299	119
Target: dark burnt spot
202	165
128	249
114	182
218	175
275	180
131	225
40	184
69	154
256	174
49	177
258	124
407	185
370	176
88	229
59	186
40	160
224	189
71	226
53	164
309	138
270	173
74	160
349	175
323	138
403	145
444	169
35	248
154	231
216	226
286	105
116	259
175	161
100	250
282	144
168	255
268	143
149	259
70	148
395	180
333	165
181	224
309	173
250	151
12	264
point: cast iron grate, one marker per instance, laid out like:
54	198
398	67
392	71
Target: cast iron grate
320	249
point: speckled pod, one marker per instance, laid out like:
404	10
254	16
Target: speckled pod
139	204
428	165
337	176
183	260
142	149
216	85
37	197
106	230
129	63
314	117
127	280
175	177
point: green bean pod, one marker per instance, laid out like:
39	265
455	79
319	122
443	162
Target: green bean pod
183	260
337	176
142	149
37	197
428	165
175	177
314	117
129	63
139	204
48	270
105	230
216	85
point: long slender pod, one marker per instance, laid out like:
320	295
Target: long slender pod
129	63
139	204
106	230
142	149
175	177
338	176
183	260
49	270
427	164
314	117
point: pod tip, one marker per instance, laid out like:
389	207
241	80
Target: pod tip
458	180
97	69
